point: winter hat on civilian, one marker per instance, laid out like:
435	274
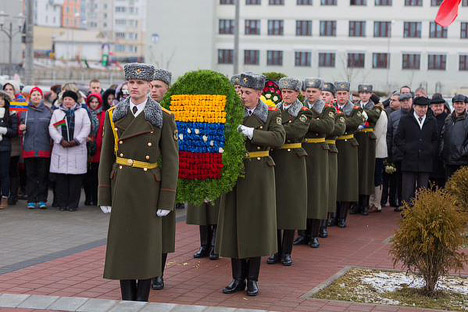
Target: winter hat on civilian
70	94
36	89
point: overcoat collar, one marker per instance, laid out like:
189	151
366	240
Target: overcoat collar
369	105
317	107
348	108
261	112
293	110
152	112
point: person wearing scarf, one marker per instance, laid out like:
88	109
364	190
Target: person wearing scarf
69	128
97	116
36	148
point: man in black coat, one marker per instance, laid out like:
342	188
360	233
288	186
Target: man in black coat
416	140
437	177
455	136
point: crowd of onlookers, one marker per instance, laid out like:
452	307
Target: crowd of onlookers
52	140
427	141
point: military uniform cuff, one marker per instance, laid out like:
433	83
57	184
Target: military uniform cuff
104	195
166	199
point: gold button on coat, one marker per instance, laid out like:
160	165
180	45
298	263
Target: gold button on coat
120	142
147	157
145	169
150	144
120	167
121	154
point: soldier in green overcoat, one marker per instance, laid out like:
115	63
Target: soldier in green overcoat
206	217
348	179
247	214
321	125
159	87
366	151
290	159
328	96
133	186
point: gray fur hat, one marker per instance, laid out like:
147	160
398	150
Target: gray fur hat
163	75
252	81
235	80
330	87
342	86
365	88
315	83
139	71
290	83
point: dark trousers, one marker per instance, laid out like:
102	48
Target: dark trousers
14	177
395	183
68	189
90	184
451	169
37	171
379	170
5	173
413	181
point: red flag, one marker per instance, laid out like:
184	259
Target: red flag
448	12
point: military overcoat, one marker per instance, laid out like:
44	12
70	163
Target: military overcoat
207	214
348	179
247	214
366	151
321	125
134	244
338	130
290	169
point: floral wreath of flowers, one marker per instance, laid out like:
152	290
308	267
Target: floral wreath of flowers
271	94
207	112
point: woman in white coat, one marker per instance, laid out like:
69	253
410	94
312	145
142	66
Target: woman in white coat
69	129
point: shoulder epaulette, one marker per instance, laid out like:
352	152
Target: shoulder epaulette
112	108
305	108
272	109
166	110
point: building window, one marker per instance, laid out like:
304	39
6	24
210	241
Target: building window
303	28
225	56
253	2
328	28
304	2
275	58
226	27
328	2
303	59
326	59
356	60
463	62
383	2
252	27
276	2
437	31
436	2
436	61
275	27
464	30
251	57
413	2
380	60
357	29
412	30
358	2
382	29
411	61
226	1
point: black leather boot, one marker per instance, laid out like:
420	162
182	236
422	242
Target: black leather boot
252	276
314	233
143	290
276	257
342	218
213	254
204	242
287	245
324	229
238	275
158	281
355	208
364	199
304	237
128	289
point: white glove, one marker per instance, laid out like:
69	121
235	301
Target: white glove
162	212
364	114
3	130
106	209
247	131
1	137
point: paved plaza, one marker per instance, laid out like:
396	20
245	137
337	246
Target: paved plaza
53	260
